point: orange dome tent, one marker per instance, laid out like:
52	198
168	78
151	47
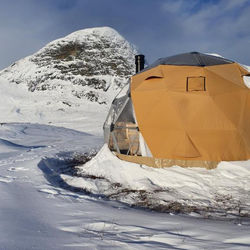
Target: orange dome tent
190	109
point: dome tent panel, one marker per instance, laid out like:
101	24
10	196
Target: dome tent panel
120	128
125	130
114	111
154	73
230	72
127	114
244	122
186	147
174	78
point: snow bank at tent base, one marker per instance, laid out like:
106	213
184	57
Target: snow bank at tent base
221	192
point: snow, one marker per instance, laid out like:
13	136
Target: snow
52	107
82	35
221	192
39	211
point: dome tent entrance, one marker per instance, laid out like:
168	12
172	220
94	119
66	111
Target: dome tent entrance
121	132
191	110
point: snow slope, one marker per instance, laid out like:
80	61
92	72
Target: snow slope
39	211
49	107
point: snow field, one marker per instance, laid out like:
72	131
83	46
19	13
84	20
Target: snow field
40	210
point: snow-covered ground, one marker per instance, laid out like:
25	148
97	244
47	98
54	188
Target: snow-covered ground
38	210
50	107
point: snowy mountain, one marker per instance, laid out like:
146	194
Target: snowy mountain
78	73
89	60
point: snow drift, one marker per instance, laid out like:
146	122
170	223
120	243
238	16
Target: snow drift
222	192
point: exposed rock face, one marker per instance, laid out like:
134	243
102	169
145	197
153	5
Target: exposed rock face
92	64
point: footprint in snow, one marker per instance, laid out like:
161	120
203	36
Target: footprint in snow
48	191
6	179
13	169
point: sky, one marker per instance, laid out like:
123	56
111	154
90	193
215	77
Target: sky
158	28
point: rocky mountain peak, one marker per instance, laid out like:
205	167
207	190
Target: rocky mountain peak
91	63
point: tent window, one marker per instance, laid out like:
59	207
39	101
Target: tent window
125	139
196	84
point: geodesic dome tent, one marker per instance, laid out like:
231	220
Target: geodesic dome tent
191	109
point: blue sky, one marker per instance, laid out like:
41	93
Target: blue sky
158	28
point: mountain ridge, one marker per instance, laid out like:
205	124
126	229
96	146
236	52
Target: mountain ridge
97	58
72	79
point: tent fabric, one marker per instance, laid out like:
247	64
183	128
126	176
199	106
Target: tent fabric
127	113
208	123
163	163
115	111
120	128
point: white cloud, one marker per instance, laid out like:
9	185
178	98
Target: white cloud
221	26
178	5
232	4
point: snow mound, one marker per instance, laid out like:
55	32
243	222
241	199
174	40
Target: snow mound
223	192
